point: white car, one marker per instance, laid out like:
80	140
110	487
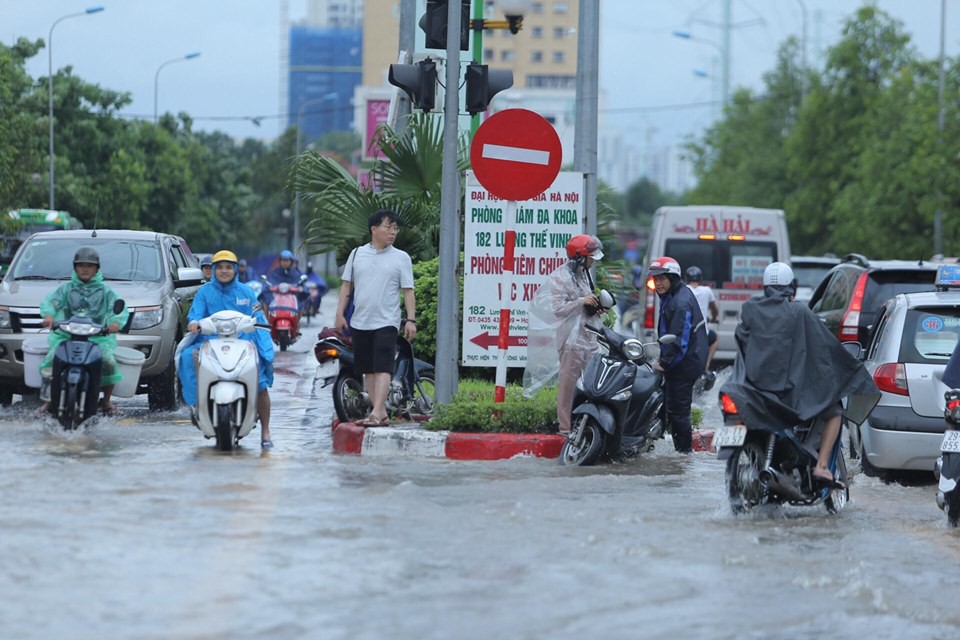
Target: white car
809	271
915	335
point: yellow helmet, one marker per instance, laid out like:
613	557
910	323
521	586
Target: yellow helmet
224	256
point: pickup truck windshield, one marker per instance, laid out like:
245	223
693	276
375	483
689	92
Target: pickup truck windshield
52	258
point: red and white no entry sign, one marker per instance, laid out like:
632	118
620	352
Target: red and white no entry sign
516	154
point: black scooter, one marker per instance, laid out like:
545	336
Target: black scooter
411	387
947	467
618	405
75	386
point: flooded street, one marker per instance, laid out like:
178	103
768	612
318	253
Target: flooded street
137	528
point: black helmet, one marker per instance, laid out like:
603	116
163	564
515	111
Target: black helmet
86	255
694	274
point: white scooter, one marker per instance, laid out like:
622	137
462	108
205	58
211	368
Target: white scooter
227	377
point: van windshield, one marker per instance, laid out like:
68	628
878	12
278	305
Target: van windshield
725	264
52	259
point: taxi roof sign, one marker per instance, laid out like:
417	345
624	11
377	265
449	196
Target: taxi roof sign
948	276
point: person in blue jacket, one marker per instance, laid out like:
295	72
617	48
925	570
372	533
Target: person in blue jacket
684	360
287	272
225	293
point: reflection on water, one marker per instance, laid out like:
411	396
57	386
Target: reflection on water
138	527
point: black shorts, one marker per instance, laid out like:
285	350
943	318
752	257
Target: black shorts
375	350
711	337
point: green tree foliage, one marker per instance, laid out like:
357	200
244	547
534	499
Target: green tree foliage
408	183
858	164
20	156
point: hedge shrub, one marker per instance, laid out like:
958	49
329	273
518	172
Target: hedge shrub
473	410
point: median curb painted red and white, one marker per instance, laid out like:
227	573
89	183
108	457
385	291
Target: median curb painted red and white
413	440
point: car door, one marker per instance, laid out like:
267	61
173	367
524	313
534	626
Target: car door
183	295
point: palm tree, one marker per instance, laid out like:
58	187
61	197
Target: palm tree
407	181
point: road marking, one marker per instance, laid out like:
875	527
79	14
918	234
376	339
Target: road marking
515	154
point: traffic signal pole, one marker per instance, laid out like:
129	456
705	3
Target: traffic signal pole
449	286
585	133
477	56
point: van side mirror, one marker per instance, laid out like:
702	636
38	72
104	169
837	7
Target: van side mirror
188	277
118	306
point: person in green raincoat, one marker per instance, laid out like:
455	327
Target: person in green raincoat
86	295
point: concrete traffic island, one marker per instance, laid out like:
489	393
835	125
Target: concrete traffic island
411	439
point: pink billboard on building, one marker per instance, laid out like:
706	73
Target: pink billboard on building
377	111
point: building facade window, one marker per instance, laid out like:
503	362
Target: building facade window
506	56
488	55
560	7
559	56
537	32
536	7
536	56
559	32
551	81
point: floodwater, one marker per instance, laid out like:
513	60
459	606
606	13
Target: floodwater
137	528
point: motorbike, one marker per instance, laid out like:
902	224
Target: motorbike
947	467
283	312
227	378
618	406
311	306
74	388
771	465
411	386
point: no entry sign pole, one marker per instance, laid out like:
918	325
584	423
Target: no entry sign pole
506	299
516	155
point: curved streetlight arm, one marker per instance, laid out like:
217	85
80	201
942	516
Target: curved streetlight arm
156	78
89	11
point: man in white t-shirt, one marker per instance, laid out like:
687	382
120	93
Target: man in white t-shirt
710	311
379	274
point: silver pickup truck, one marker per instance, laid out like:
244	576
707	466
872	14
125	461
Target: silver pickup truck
154	273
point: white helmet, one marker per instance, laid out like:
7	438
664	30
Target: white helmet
777	274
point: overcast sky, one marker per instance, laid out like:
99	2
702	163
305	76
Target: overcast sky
647	75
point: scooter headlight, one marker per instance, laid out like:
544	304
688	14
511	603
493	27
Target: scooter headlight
623	394
632	348
226	327
81	329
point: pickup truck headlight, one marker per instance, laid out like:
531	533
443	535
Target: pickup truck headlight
146	317
4	318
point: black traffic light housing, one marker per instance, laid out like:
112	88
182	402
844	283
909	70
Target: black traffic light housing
434	24
484	83
419	81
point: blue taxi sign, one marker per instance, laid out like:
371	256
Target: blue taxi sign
948	275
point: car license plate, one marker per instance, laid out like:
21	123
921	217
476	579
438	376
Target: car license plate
951	442
731	436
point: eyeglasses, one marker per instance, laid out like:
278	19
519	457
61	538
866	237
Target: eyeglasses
390	227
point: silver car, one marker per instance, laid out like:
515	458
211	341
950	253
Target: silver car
913	340
154	273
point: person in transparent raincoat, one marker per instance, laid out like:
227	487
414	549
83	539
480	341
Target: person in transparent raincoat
86	295
558	343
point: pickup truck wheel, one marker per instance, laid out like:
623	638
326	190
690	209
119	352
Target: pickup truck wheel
162	391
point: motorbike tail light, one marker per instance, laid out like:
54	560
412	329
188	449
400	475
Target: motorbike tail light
953	404
850	325
727	405
325	354
892	378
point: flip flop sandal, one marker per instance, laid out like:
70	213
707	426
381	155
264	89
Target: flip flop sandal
266	444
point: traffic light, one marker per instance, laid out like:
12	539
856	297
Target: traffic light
483	84
419	81
434	24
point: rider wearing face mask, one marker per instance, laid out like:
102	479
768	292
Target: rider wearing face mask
558	343
790	368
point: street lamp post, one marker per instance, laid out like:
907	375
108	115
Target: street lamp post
803	50
725	88
938	214
156	78
296	200
50	81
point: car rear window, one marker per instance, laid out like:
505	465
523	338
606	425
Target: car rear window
52	259
889	282
930	334
725	264
810	275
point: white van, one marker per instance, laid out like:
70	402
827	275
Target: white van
731	245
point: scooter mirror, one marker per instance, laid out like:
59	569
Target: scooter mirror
118	306
263	277
303	278
606	299
667	338
853	348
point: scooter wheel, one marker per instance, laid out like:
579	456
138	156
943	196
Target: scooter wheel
584	446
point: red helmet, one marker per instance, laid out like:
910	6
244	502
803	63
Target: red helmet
664	266
584	246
